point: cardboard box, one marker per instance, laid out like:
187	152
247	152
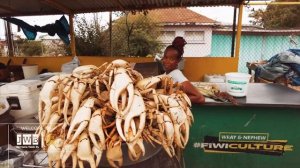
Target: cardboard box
148	69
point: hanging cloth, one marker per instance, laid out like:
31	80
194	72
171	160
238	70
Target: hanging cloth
60	27
28	30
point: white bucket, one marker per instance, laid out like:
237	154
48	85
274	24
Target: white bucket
30	71
237	83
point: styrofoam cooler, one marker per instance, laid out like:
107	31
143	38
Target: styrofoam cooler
22	96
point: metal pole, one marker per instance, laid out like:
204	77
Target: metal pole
272	3
233	31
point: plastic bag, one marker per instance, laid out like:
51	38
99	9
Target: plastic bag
70	66
12	157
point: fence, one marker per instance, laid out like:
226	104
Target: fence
257	46
148	35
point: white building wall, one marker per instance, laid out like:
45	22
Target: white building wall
193	48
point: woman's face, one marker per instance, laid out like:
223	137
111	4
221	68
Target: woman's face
170	60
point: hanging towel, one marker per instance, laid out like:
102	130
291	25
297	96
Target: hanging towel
60	27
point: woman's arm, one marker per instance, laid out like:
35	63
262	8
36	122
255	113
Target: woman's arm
192	92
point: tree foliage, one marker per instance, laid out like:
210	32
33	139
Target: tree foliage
135	35
88	37
29	47
277	16
132	35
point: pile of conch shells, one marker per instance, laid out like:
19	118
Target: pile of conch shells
96	109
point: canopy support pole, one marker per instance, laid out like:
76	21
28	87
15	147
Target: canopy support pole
72	35
239	31
233	31
9	39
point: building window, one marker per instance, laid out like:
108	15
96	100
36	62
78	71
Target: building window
194	36
167	36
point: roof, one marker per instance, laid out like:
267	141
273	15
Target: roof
52	7
179	16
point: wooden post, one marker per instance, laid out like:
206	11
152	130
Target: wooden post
72	35
239	31
110	34
9	39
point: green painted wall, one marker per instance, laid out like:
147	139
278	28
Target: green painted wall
253	47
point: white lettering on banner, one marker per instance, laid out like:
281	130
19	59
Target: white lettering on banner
26	139
229	137
197	145
222	146
35	139
19	139
211	145
250	137
243	137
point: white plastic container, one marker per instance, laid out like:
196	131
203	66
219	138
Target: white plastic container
237	83
22	96
214	78
29	71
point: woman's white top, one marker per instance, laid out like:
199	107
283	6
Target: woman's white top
177	76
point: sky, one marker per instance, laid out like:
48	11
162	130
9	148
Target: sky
225	14
221	14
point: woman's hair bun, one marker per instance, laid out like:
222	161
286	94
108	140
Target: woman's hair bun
179	43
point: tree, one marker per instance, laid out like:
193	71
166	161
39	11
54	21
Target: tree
29	47
277	16
132	35
135	35
89	37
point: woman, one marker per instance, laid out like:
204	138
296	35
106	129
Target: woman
172	56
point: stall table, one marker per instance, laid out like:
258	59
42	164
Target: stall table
262	131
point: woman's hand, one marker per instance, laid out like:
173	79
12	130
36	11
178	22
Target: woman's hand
194	95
